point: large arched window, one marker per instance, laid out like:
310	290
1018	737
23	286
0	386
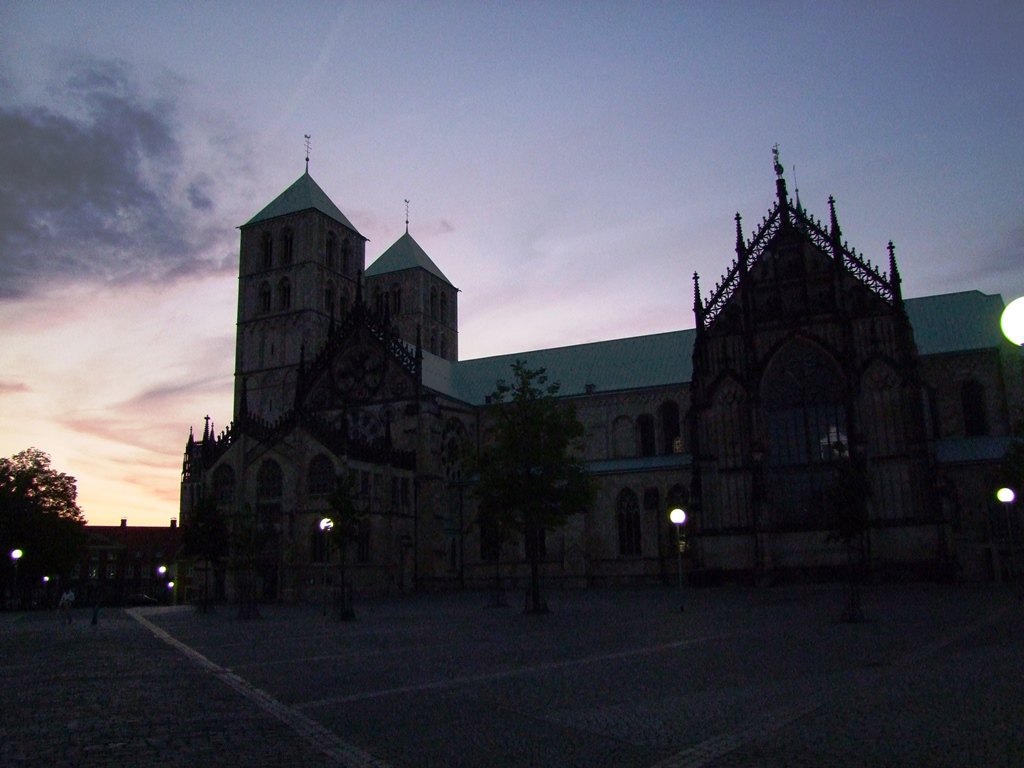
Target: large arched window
284	294
264	298
972	401
627	513
802	392
224	485
321	476
269	481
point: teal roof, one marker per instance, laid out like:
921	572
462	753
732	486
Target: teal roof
406	253
956	322
304	195
661	359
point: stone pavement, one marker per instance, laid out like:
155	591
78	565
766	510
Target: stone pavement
742	677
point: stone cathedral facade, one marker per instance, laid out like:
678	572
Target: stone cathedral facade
804	355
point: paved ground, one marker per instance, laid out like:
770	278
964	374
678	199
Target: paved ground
742	677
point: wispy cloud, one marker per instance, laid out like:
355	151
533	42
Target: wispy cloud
98	185
13	387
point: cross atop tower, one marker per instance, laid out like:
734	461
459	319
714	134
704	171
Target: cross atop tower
307	151
407	217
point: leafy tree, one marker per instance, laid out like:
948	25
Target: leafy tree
205	536
245	542
348	511
39	514
848	504
531	471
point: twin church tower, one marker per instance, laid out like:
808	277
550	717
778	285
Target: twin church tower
303	267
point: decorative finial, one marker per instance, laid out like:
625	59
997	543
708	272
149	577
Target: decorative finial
407	217
778	166
835	232
796	187
308	137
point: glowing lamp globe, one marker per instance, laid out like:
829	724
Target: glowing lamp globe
1012	321
677	516
326	524
1006	495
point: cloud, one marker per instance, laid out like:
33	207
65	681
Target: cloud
97	186
11	387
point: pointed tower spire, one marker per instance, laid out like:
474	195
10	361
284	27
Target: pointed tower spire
698	309
407	217
206	428
308	137
835	233
741	251
894	276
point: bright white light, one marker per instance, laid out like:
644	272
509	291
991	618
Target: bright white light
326	524
1006	495
46	579
677	516
162	570
1012	321
16	554
170	585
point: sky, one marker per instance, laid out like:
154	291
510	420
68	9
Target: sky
569	166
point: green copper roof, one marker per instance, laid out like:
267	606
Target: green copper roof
956	322
660	359
304	195
406	253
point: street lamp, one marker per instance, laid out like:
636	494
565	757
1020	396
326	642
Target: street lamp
1007	496
325	525
1012	321
16	556
678	517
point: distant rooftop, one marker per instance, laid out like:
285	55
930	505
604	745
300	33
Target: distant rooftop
405	254
304	195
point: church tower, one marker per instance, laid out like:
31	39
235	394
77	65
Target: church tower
405	284
298	267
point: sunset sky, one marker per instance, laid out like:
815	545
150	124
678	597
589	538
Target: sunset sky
569	166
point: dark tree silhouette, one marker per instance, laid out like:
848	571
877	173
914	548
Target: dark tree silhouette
39	514
205	536
348	511
530	467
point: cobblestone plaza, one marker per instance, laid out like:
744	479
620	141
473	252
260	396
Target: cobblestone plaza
741	677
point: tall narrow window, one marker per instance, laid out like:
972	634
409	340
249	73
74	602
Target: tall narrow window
645	426
224	485
627	512
444	347
286	247
346	253
972	400
329	248
284	294
669	413
267	251
433	343
396	300
444	307
329	306
433	303
264	298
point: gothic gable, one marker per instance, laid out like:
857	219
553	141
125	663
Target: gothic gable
362	362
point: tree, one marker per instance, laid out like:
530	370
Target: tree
245	542
848	504
531	471
39	514
205	536
347	515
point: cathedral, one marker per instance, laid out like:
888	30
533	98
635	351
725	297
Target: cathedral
806	361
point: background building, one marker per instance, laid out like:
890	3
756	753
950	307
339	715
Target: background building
805	359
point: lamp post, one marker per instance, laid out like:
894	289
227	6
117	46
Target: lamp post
325	525
678	517
1007	497
16	555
